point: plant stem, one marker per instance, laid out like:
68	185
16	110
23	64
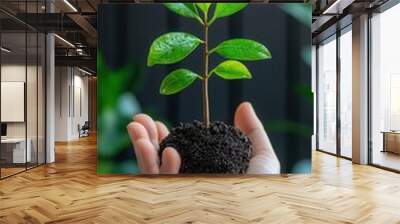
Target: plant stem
206	110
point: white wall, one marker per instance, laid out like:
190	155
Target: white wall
71	94
80	100
62	81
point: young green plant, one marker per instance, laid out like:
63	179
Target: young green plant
173	47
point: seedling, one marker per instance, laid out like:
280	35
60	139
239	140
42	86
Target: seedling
173	47
208	147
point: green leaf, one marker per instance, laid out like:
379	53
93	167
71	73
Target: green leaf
242	49
232	70
171	48
183	9
227	9
177	80
204	7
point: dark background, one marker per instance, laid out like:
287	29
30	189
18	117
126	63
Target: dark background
280	90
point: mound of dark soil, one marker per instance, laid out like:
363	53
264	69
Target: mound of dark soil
220	148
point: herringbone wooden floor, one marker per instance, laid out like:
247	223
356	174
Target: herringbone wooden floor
69	191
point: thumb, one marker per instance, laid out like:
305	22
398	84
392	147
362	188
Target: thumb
247	121
260	164
171	161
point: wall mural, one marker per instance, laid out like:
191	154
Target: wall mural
204	88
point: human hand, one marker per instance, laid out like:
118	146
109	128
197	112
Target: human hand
147	134
263	159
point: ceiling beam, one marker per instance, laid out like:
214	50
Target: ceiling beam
79	61
337	7
84	24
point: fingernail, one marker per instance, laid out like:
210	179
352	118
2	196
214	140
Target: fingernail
130	124
134	116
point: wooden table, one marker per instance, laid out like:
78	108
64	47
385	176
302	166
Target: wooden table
391	141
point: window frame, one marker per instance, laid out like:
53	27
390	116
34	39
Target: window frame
334	37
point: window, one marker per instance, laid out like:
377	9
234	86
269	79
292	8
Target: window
346	92
385	89
327	96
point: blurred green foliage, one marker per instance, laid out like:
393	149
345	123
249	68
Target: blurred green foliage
288	127
116	107
304	91
300	11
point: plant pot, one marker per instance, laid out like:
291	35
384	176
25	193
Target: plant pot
221	148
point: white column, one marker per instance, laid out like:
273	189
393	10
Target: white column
314	90
360	90
50	93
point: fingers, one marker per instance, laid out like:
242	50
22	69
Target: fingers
146	156
150	126
162	131
247	121
137	131
171	161
144	150
146	135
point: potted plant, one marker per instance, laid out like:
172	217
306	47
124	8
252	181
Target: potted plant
206	147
